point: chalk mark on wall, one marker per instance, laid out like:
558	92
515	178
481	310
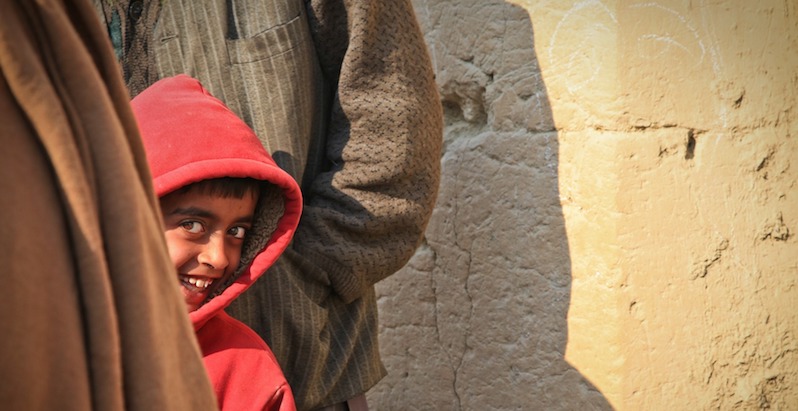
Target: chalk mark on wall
582	49
657	44
584	57
679	39
715	57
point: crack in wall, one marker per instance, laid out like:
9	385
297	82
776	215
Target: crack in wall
703	268
456	360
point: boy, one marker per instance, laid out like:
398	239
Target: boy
228	212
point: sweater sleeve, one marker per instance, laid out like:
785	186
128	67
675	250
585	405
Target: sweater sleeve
365	215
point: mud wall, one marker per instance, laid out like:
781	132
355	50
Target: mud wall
616	227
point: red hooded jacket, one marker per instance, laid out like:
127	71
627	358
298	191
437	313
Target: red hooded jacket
190	136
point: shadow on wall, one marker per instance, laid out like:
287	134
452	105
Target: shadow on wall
478	318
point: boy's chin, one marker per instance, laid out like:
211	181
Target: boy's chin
193	299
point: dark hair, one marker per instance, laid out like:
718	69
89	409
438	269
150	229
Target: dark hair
224	187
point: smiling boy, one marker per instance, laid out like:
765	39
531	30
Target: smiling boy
206	224
228	214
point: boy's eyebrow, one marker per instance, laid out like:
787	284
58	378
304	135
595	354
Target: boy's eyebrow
199	212
193	211
247	219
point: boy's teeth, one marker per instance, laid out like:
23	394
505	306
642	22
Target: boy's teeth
198	282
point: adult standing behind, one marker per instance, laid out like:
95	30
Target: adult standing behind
86	322
342	93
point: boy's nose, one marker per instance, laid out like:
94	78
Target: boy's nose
213	253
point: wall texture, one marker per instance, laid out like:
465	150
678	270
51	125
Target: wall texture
616	227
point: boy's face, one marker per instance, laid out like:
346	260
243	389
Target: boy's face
204	234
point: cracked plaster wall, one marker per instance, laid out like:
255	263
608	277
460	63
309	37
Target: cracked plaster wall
616	226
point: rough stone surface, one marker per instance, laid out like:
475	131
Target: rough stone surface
616	226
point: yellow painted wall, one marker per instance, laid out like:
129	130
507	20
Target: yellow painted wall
617	224
678	179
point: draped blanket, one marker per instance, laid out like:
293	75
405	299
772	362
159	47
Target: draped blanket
91	316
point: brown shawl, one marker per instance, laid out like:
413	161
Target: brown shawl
91	316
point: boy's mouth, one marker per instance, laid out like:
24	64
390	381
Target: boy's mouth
195	284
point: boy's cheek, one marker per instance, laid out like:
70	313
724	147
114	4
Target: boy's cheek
175	249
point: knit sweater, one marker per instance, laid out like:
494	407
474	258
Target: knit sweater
342	93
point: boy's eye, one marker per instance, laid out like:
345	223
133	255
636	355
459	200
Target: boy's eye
193	227
238	232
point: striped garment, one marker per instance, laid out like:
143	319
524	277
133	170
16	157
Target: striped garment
342	93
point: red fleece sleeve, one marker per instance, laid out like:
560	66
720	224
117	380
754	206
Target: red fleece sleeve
243	370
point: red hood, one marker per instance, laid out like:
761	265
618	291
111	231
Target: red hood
177	113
